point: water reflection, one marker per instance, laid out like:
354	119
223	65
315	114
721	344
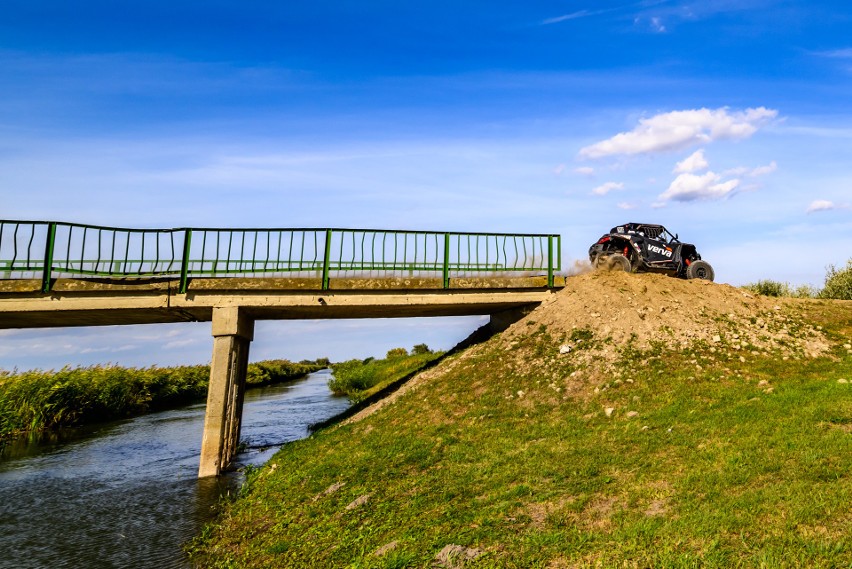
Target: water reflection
125	494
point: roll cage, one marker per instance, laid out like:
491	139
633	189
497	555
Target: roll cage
651	231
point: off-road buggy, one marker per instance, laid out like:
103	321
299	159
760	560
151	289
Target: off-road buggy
645	247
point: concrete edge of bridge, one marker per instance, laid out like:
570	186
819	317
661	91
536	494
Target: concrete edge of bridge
197	284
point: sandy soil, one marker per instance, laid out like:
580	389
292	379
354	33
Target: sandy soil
650	308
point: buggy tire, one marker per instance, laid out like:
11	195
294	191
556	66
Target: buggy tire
700	270
618	262
600	262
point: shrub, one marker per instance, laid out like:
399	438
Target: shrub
396	353
775	288
769	288
420	349
838	282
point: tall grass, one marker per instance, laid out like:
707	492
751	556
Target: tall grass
358	379
776	288
838	286
37	400
267	372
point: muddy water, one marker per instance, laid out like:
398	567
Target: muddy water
125	494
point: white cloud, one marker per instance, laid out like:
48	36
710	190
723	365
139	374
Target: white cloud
821	205
584	170
180	343
573	16
604	189
566	17
839	132
693	163
657	24
692	187
844	53
625	205
741	171
681	129
737	172
763	170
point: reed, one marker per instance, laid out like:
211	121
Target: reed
37	400
358	379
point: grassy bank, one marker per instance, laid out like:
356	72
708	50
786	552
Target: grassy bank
36	400
519	453
359	379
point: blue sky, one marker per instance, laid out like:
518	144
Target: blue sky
727	121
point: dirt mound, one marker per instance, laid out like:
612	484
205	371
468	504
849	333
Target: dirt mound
644	310
585	330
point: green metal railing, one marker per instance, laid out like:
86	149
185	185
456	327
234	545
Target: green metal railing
49	249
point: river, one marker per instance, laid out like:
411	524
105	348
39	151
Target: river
125	494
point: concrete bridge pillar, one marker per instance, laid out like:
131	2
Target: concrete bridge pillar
502	320
233	332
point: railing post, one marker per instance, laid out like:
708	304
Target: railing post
558	252
446	260
184	263
325	259
48	257
550	261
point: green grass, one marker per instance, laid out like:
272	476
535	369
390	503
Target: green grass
838	286
359	379
502	453
777	288
37	400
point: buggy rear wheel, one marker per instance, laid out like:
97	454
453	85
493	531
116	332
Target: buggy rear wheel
618	262
700	270
600	262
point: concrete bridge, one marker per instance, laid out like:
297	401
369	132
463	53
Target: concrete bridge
56	274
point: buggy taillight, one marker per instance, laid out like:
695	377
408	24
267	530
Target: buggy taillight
603	239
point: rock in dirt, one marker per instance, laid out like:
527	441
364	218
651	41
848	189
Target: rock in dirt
330	490
359	501
385	548
455	556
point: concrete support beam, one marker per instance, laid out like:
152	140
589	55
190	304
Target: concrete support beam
502	320
83	302
233	331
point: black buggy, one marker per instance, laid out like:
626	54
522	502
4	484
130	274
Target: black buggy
645	247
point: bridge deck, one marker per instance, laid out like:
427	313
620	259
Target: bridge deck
98	276
98	302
